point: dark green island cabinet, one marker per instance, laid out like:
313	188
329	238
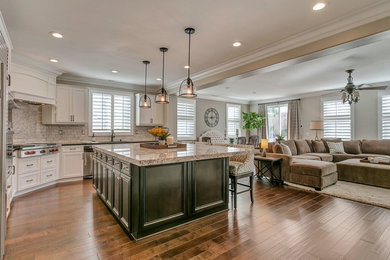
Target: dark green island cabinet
163	190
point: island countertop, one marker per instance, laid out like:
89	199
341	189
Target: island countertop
140	156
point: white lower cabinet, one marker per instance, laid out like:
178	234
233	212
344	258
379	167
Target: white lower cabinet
72	161
28	180
48	175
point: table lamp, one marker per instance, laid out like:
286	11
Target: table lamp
318	126
264	146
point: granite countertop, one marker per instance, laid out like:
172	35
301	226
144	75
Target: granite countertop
102	142
137	155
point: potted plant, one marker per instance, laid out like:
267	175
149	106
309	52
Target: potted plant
253	121
279	138
160	133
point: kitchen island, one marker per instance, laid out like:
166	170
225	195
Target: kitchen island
150	190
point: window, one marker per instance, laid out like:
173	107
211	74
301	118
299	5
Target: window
337	119
385	117
186	116
233	119
110	112
277	121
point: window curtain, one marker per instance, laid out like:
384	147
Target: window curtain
293	121
263	112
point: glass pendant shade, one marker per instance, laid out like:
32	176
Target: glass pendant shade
162	96
144	101
187	89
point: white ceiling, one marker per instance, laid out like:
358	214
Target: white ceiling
101	35
371	63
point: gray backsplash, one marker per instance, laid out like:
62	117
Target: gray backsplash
28	128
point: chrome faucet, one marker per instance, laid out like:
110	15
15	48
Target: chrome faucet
112	136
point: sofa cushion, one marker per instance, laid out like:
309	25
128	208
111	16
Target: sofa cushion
285	149
313	168
336	147
326	157
302	146
291	145
376	146
345	156
325	140
318	147
307	157
277	148
352	147
310	145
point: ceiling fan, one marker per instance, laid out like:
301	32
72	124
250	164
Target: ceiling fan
350	93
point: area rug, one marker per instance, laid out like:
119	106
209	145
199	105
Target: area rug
353	191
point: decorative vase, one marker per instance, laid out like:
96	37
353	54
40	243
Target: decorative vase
161	142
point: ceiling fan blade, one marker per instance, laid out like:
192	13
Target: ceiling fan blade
375	88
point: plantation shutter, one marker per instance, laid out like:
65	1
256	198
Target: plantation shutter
122	113
101	112
233	119
337	119
186	116
385	105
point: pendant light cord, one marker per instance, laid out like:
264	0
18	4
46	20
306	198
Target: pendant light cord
163	72
146	75
189	54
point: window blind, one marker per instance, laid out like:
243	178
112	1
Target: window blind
385	107
101	112
122	113
186	119
233	119
337	119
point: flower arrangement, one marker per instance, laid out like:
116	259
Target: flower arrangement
159	132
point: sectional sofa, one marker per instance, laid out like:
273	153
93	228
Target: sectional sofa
312	164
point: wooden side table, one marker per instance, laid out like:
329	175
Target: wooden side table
266	165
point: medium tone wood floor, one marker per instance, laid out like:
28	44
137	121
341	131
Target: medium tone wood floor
68	221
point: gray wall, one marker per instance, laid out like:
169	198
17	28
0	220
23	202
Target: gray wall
201	106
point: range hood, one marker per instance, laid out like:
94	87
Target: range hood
33	99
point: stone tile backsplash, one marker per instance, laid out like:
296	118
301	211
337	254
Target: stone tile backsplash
28	128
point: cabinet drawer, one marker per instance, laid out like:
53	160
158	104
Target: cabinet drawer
49	161
73	148
28	180
27	165
48	175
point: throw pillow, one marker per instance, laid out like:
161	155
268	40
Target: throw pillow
327	140
336	147
277	148
302	146
286	150
318	147
352	147
291	145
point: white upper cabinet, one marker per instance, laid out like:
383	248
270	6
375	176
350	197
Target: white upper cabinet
32	85
149	116
71	106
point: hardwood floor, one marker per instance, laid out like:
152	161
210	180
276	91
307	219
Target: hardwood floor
68	221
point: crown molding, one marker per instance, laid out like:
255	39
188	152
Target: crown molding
71	79
371	13
23	60
223	99
4	32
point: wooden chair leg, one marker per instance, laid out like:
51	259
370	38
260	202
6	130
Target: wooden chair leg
251	188
235	192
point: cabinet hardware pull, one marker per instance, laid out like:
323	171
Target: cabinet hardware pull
8	186
49	161
49	175
13	170
28	165
30	180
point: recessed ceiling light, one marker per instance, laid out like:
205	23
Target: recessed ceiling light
186	67
318	6
115	71
158	79
53	60
57	35
236	44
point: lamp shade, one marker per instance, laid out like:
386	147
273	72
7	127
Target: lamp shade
316	125
264	144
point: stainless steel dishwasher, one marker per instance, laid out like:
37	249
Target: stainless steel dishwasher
88	162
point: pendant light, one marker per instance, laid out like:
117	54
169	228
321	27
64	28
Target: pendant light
162	96
187	86
144	101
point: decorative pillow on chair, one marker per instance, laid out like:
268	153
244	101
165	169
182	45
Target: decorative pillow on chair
286	150
336	147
